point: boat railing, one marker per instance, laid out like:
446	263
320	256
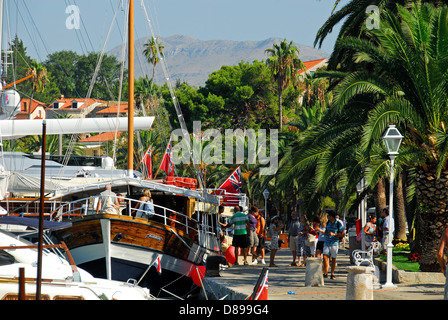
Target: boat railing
167	216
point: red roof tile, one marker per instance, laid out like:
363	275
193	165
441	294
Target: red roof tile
114	109
312	63
105	136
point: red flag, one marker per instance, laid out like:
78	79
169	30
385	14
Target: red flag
158	265
261	289
147	161
233	183
167	163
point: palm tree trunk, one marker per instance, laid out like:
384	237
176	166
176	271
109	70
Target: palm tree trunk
280	111
431	220
399	210
380	196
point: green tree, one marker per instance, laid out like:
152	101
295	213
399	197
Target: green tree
21	63
410	84
62	66
39	80
151	53
107	81
285	64
240	96
190	100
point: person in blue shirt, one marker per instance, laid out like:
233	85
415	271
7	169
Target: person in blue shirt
333	231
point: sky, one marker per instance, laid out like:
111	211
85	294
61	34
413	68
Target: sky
47	26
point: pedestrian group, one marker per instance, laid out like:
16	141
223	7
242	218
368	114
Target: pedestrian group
318	238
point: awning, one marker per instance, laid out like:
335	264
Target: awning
123	182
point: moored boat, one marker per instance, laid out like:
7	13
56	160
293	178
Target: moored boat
61	279
123	245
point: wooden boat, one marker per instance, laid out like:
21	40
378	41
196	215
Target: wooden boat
123	246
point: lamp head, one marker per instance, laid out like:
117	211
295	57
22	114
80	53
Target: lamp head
392	139
265	193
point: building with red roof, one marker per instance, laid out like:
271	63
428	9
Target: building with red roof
38	110
312	65
93	143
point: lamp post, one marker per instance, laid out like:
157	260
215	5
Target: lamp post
360	187
266	196
392	140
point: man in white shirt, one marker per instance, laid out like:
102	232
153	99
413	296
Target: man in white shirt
388	228
108	202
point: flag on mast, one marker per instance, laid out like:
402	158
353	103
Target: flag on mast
260	291
147	161
167	162
158	264
233	183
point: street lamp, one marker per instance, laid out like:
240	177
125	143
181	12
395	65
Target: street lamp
392	139
266	196
362	208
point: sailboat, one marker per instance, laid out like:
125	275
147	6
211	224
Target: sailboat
180	233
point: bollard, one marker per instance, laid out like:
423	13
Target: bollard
314	275
359	283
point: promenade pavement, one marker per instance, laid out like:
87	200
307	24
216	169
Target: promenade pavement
288	283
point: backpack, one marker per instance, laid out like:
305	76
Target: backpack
148	208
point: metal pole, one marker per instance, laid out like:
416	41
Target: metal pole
266	208
22	284
41	213
389	283
131	90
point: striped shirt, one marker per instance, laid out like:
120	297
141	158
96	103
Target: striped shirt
239	221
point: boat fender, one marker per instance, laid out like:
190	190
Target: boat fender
212	265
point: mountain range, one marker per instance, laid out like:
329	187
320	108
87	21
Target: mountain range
192	60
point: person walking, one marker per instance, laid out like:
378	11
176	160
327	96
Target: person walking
333	231
253	237
302	249
314	234
370	231
321	234
293	234
276	227
388	229
261	233
240	221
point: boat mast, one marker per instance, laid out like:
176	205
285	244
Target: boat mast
131	90
1	40
41	212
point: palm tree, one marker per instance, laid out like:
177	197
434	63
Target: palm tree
410	83
39	80
354	19
152	50
285	64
